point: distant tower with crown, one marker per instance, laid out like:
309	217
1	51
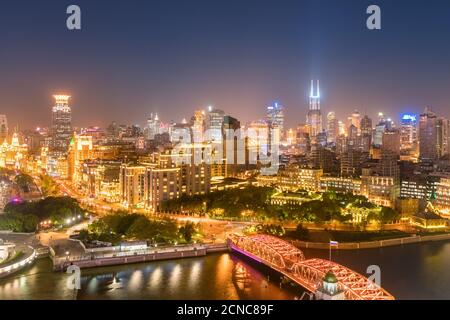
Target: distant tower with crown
314	116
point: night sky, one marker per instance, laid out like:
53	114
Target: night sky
172	57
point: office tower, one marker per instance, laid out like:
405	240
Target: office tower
275	116
391	142
161	184
352	138
153	126
233	144
366	126
198	126
180	133
213	124
388	165
314	116
442	135
132	185
3	128
61	124
408	131
428	136
332	127
342	130
303	138
378	134
80	149
351	162
322	158
366	133
355	120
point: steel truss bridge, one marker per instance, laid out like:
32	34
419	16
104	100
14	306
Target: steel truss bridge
308	273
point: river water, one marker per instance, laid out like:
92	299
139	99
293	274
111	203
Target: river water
416	271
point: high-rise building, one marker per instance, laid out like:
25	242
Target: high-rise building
355	119
275	116
61	124
80	149
332	127
153	126
3	128
408	131
314	116
214	121
231	149
132	185
442	135
351	162
366	126
198	126
391	142
428	136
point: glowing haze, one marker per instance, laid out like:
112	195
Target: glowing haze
132	58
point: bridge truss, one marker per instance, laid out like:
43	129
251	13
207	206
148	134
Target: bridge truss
290	261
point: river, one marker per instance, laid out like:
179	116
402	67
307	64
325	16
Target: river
416	271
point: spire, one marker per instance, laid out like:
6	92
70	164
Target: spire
317	95
318	89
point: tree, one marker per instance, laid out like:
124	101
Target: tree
24	181
187	231
30	223
388	215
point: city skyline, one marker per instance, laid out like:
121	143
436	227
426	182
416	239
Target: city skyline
170	60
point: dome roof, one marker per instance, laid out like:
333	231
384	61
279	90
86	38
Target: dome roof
330	277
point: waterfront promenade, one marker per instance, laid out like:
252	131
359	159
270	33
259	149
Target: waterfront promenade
112	256
371	244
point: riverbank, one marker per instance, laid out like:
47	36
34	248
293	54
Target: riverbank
155	254
371	244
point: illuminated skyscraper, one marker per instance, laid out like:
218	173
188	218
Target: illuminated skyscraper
198	126
408	130
314	117
3	128
366	126
355	119
332	127
214	121
61	124
442	130
428	136
391	142
275	116
153	126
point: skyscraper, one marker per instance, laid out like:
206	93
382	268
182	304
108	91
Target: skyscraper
366	125
442	130
391	142
428	136
355	119
314	117
214	121
198	126
408	131
61	124
153	126
332	127
3	128
275	116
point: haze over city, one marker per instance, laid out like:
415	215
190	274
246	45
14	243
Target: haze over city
137	57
